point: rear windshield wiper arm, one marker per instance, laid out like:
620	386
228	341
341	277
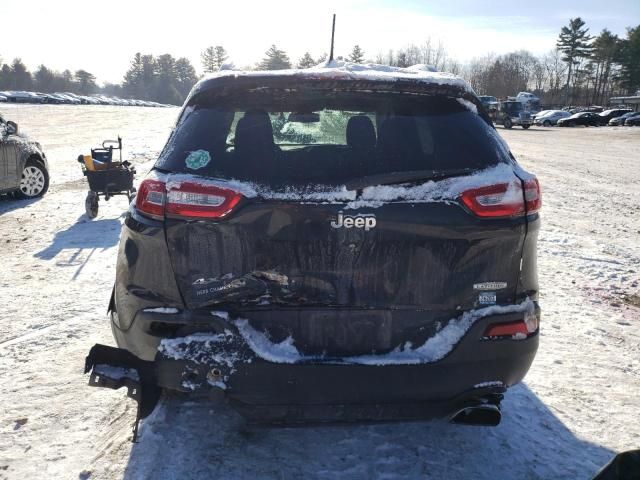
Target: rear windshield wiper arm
404	177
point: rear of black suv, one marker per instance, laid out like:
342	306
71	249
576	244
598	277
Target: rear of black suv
329	248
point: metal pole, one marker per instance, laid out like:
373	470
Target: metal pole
333	31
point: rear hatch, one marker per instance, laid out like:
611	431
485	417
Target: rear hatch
352	220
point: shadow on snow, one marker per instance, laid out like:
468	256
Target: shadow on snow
83	238
196	439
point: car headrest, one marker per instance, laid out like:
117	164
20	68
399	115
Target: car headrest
254	133
360	132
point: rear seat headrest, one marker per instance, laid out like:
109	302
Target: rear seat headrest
360	132
254	133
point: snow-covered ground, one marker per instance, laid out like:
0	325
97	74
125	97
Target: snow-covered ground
577	407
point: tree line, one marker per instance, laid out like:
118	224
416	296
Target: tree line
582	69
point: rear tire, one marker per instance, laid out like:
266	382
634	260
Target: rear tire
34	182
91	204
507	123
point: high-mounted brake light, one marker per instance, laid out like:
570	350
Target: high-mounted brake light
504	199
156	199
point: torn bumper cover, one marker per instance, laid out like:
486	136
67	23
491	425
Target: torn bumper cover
274	383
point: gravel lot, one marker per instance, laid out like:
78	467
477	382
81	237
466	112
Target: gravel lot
577	407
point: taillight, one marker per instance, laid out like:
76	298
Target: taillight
156	199
532	195
504	199
195	200
150	199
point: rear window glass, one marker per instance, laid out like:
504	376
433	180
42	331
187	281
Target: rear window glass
282	138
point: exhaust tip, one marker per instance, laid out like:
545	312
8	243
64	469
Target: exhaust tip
485	415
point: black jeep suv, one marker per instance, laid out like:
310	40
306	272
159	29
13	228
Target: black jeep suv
331	244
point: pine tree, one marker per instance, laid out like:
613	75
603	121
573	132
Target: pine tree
356	55
574	42
44	79
220	56
20	76
306	61
275	59
207	58
5	77
629	59
213	58
185	76
86	82
605	50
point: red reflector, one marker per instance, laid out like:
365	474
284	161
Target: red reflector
507	329
196	200
151	198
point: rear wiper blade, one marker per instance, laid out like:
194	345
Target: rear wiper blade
405	177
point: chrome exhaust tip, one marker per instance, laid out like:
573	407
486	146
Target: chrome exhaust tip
484	415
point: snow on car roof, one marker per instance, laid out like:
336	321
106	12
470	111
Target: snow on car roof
341	70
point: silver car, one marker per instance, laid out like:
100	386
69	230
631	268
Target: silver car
551	117
23	164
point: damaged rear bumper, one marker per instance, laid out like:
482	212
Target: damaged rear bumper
287	389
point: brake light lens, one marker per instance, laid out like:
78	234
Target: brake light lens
150	199
194	200
532	195
504	199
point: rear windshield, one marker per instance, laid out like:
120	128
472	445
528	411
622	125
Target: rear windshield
282	138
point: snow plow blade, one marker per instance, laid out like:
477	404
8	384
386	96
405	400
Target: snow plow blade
114	368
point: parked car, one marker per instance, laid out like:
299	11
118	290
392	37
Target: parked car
633	121
23	165
550	117
587	119
324	245
618	121
607	115
539	114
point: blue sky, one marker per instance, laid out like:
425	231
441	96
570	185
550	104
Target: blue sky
65	34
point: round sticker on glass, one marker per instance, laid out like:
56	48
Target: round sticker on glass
198	159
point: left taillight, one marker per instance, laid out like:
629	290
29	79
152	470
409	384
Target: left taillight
157	199
151	197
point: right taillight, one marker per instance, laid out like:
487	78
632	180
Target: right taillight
187	199
503	200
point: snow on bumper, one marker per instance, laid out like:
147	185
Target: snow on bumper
266	379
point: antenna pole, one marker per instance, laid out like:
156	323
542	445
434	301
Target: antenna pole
333	31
